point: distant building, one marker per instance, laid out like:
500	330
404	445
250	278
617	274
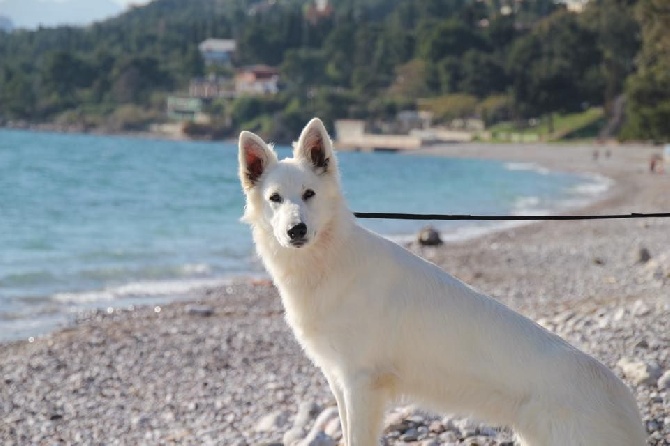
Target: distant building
257	80
6	24
408	120
218	51
575	5
184	109
211	87
317	10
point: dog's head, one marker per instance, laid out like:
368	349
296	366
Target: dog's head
294	199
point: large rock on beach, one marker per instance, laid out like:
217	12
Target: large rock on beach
428	236
643	255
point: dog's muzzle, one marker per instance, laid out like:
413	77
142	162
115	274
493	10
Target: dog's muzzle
297	235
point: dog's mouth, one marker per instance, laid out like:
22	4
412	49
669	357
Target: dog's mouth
298	243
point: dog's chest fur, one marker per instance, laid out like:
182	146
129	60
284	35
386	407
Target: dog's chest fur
316	297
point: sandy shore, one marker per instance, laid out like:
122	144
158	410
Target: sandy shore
225	370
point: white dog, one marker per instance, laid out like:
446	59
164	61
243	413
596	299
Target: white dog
384	324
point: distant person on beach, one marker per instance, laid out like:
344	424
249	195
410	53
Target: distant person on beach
656	163
596	154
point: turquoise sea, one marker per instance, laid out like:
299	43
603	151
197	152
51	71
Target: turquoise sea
100	221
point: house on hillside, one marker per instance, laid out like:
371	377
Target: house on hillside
575	5
257	80
211	87
184	109
218	51
317	10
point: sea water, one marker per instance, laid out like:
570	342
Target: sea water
102	221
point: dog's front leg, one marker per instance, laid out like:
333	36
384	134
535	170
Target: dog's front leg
364	406
337	390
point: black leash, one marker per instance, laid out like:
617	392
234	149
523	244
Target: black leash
402	216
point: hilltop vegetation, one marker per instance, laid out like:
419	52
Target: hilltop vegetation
368	59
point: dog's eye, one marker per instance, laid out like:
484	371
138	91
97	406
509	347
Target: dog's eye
275	198
309	193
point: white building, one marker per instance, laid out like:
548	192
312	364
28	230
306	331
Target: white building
218	51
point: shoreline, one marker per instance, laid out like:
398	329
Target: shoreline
209	370
143	292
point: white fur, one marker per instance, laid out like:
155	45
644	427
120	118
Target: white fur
384	324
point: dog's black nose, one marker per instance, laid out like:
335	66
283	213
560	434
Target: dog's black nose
298	231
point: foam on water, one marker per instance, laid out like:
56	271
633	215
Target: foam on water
141	289
531	167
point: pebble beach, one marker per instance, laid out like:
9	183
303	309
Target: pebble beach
224	369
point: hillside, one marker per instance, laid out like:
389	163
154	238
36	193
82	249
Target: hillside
497	59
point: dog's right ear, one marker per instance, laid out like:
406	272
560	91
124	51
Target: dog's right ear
255	157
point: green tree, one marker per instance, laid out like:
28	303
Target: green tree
18	98
64	72
481	74
410	80
648	90
450	107
618	36
555	68
337	50
136	77
450	38
193	66
303	67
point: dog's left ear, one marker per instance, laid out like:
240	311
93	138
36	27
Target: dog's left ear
315	146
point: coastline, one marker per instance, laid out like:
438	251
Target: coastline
207	370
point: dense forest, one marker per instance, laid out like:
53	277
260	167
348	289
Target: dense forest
495	59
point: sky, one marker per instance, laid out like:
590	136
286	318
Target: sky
32	13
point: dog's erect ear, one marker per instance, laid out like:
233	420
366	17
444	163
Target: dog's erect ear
315	146
255	157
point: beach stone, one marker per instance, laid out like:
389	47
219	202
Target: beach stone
436	427
334	428
467	427
325	416
486	431
307	411
272	421
317	436
293	436
640	308
200	310
395	422
428	236
448	437
411	434
619	314
664	381
643	255
318	439
640	372
475	441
